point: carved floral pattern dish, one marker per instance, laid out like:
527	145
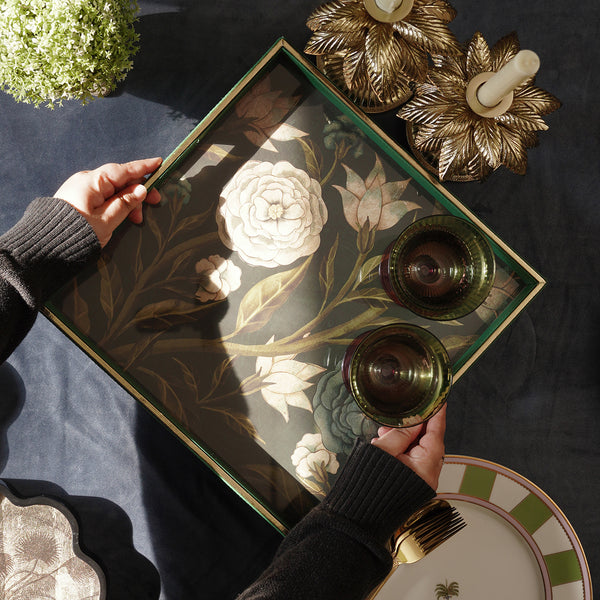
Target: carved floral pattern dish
228	313
39	552
517	543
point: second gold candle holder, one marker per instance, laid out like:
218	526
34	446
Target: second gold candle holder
457	138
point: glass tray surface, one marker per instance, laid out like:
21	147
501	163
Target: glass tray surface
227	314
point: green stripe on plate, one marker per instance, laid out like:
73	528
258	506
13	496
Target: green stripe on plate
477	482
531	512
563	567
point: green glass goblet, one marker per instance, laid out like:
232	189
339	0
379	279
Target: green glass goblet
440	267
399	375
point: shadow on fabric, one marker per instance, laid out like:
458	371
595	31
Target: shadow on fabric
12	398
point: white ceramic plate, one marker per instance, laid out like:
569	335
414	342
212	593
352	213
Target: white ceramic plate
517	543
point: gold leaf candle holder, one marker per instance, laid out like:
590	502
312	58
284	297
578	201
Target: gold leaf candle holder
374	56
455	136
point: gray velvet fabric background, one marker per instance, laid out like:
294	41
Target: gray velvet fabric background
160	523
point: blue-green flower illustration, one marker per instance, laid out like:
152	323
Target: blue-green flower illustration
337	415
342	135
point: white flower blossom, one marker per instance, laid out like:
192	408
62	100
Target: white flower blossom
312	458
285	380
218	277
271	214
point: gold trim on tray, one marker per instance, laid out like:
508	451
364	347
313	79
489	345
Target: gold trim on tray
275	483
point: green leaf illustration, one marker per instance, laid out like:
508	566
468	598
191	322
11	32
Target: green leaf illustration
368	270
193	221
453	343
110	287
326	274
179	261
262	300
312	155
168	397
368	294
81	315
166	313
154	226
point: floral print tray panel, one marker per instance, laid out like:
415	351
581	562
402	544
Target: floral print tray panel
229	311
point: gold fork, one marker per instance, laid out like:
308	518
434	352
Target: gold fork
425	530
422	533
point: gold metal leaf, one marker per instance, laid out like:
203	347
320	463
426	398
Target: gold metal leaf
521	119
414	63
537	100
478	56
330	42
504	50
514	152
354	70
384	60
488	140
449	84
435	9
431	34
355	21
327	14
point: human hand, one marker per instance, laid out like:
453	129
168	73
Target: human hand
109	194
420	448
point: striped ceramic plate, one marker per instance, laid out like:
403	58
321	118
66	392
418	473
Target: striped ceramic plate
517	543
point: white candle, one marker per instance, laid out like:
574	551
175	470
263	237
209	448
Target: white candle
388	6
525	64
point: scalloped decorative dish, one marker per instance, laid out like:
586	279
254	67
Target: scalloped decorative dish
40	555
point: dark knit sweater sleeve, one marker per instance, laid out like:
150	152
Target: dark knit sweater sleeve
40	253
339	550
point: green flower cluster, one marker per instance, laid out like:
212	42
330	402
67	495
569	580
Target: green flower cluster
342	135
51	50
337	415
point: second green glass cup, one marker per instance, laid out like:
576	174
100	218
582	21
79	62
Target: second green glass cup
440	267
399	375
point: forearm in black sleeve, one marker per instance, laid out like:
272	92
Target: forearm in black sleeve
40	253
339	551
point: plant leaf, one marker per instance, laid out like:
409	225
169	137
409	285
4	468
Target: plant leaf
326	273
366	269
313	158
262	300
368	294
108	282
81	315
164	314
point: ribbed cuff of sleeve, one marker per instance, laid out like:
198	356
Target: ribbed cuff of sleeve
50	243
377	491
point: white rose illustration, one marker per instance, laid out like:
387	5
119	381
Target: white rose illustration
312	459
218	277
271	214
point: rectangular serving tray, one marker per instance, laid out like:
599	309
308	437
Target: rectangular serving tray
227	314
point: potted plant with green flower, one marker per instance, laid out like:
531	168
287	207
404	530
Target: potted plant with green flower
53	50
